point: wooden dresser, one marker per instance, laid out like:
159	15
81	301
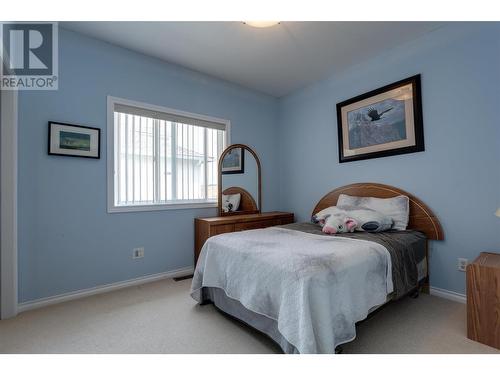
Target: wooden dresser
205	228
483	299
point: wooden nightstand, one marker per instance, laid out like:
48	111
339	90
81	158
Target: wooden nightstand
483	299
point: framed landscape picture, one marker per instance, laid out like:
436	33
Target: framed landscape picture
383	122
74	140
234	161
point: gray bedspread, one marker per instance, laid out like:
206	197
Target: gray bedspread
407	248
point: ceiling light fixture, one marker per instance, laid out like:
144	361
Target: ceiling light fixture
261	24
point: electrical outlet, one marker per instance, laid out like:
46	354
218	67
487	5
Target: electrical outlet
138	252
462	264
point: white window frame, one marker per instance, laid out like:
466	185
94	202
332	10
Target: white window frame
110	154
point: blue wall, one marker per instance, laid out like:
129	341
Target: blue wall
458	175
67	240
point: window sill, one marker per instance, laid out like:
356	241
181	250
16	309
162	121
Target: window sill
160	207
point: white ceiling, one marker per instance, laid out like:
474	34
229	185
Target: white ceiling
275	60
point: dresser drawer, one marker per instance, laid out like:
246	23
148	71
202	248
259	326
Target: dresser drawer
223	228
286	220
256	224
208	227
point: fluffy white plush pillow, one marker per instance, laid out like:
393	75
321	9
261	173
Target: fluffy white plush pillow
231	202
342	219
397	208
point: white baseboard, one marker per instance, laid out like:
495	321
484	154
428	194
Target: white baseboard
448	294
42	302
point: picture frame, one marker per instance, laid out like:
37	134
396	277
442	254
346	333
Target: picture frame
234	161
383	122
74	140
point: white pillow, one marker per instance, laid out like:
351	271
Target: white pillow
231	203
397	208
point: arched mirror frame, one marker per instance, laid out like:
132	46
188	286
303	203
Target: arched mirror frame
219	185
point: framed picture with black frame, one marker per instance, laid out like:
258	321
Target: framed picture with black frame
74	140
234	161
383	122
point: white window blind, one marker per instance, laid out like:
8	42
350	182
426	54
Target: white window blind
162	158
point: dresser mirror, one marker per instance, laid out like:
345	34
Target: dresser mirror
239	187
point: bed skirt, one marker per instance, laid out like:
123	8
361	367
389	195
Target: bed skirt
259	322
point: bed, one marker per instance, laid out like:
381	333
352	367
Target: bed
307	290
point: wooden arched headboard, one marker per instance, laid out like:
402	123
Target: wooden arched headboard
421	216
247	203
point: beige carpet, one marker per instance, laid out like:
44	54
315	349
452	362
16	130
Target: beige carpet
161	318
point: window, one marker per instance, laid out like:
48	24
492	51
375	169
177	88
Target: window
160	158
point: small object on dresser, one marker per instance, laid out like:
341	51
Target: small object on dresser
231	203
483	299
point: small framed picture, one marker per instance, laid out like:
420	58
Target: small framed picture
383	122
74	140
234	161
